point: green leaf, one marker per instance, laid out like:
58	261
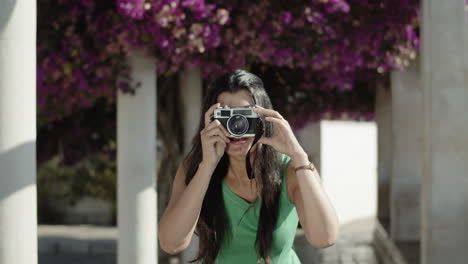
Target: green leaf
68	68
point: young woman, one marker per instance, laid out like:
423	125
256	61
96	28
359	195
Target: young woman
238	219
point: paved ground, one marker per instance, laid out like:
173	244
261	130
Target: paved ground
355	245
90	245
77	245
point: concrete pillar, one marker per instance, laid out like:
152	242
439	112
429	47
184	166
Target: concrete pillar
18	210
383	112
407	148
444	195
191	91
136	167
349	168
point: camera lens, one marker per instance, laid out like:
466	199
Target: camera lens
238	125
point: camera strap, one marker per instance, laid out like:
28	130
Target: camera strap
258	135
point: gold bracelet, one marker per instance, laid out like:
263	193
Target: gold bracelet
305	167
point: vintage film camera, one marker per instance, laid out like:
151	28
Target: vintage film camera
240	122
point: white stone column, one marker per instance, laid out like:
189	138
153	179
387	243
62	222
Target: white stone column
136	168
407	149
18	210
349	168
190	82
383	112
444	197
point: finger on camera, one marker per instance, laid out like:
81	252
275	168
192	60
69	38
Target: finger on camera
214	124
209	113
267	112
225	131
216	138
213	131
219	141
218	132
275	120
220	126
224	144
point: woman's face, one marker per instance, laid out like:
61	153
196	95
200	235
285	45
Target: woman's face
241	98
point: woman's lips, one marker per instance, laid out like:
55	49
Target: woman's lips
238	142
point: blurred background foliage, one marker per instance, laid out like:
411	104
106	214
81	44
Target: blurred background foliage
61	186
318	59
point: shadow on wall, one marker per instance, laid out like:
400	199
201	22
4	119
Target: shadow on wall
5	12
17	169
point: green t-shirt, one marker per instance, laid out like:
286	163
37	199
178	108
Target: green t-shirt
241	248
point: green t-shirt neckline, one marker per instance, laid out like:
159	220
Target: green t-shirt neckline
243	220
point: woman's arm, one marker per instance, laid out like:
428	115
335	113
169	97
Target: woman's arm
316	213
176	226
180	218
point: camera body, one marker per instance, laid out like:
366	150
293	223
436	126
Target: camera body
239	121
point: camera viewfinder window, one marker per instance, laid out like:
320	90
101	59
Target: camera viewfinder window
242	112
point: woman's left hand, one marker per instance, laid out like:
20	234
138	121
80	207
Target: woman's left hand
283	139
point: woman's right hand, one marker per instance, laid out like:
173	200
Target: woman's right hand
214	138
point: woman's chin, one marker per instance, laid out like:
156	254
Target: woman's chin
239	148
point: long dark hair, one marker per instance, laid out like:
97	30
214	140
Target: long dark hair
213	227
